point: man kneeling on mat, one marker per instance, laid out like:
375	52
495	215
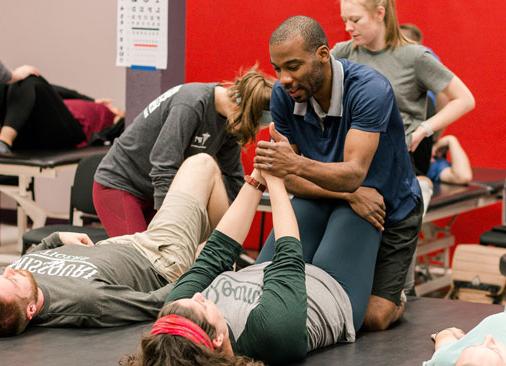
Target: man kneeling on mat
123	279
275	312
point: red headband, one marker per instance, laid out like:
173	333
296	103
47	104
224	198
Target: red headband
180	326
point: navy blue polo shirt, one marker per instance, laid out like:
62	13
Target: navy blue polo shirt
364	100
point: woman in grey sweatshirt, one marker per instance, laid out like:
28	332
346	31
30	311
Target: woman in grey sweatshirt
212	118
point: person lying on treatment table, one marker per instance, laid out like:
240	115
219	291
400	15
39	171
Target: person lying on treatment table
67	281
36	115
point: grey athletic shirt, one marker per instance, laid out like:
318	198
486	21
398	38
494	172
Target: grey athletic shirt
5	74
412	70
181	122
105	286
329	313
262	302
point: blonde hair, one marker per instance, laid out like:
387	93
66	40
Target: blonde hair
252	93
393	35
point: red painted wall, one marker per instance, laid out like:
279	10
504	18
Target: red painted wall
225	35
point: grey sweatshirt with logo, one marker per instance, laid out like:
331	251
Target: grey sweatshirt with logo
179	123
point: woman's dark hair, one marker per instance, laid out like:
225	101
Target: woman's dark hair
170	350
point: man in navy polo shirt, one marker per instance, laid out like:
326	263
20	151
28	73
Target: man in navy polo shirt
339	144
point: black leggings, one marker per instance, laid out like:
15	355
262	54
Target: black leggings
34	109
337	240
420	158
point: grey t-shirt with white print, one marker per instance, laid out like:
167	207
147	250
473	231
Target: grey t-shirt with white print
329	313
103	286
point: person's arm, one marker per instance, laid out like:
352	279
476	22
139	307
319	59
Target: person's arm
167	154
223	246
49	242
446	336
366	202
58	239
229	160
283	217
441	102
120	305
237	220
460	172
328	180
458	98
281	109
302	187
274	328
279	159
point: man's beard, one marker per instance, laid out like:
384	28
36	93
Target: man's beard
312	83
33	284
316	78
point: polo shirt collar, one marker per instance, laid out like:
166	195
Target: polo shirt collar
336	97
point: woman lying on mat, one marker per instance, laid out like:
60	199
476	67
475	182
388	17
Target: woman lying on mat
189	119
37	115
485	344
273	312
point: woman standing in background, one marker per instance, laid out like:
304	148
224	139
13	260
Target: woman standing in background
377	41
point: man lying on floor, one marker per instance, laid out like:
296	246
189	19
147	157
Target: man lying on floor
123	279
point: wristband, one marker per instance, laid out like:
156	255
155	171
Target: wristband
428	130
254	183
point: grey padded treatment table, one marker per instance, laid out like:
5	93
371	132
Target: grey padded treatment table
27	165
407	343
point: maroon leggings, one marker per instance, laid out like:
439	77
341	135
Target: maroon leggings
120	212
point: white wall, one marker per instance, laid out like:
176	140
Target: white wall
73	43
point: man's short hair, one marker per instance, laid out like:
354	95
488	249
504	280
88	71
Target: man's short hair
309	29
12	317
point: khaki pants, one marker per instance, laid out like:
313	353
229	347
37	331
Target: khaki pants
172	237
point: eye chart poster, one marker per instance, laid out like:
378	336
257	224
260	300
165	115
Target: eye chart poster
142	34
